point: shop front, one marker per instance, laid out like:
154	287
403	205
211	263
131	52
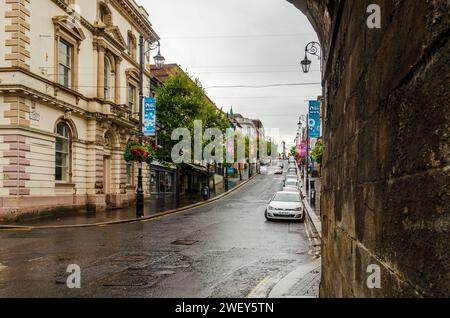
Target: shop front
162	180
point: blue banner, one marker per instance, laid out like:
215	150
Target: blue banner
314	119
150	117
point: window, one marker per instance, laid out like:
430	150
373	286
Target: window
153	182
168	183
130	45
107	79
65	64
105	15
62	154
102	14
131	97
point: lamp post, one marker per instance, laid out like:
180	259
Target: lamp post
159	61
312	48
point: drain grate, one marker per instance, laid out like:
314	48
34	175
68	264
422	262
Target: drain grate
184	242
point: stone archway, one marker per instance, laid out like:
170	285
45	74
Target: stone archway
385	197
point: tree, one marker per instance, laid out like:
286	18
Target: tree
317	152
271	148
294	152
181	101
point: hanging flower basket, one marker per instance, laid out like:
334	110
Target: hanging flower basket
136	152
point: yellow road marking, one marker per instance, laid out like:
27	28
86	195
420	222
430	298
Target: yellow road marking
17	229
254	290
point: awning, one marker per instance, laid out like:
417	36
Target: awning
198	168
160	165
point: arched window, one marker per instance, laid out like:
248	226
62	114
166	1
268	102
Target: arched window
107	78
62	153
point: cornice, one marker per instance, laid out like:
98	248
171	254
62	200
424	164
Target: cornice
127	10
135	17
27	92
63	5
44	80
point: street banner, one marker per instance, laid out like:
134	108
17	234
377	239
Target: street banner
303	150
314	119
150	117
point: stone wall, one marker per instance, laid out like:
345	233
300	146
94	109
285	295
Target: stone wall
386	193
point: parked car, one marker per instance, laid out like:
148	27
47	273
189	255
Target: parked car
293	170
285	205
278	170
291	184
291	175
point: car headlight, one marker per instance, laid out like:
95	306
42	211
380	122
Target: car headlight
270	208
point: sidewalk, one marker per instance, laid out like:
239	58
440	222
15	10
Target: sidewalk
153	206
304	282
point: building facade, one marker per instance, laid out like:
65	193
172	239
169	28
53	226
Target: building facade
69	77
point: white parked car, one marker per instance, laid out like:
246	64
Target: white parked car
287	206
291	185
291	175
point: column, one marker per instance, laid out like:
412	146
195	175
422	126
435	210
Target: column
117	83
101	72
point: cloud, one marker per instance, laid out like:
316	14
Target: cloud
242	42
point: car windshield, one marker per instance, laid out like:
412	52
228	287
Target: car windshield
291	184
286	197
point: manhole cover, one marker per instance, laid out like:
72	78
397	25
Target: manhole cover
184	242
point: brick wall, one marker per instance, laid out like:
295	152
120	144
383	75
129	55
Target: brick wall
385	197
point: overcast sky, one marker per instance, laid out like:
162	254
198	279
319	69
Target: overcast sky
242	42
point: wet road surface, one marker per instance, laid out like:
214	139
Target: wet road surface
226	249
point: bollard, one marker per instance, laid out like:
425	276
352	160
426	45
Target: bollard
313	198
206	193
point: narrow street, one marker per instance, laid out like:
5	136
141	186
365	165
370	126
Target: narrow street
225	249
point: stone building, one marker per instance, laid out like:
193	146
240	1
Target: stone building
69	78
385	196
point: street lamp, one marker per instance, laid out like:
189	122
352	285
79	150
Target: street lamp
306	64
159	61
312	48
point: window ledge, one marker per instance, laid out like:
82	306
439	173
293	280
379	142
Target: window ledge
64	185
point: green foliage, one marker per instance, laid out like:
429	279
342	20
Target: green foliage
180	102
271	147
294	152
317	152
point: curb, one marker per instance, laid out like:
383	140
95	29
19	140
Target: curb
281	289
147	218
313	219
